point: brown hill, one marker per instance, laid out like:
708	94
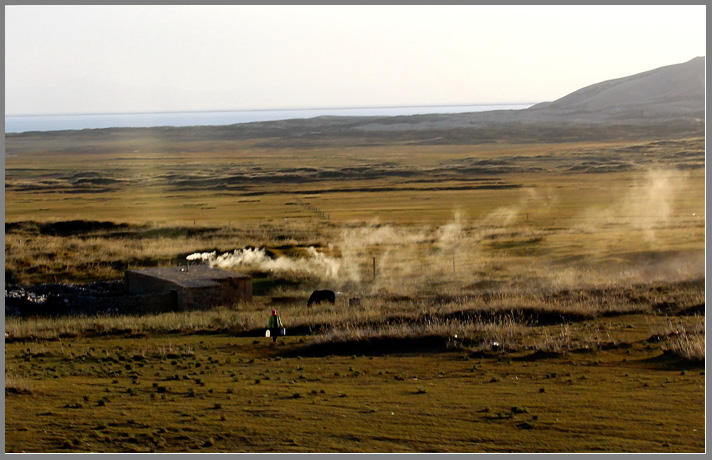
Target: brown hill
667	92
661	103
674	93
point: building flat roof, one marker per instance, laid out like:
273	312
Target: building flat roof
190	275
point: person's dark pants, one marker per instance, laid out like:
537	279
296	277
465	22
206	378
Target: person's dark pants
273	333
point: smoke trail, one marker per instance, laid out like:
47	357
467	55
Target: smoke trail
651	203
647	206
373	257
316	263
536	200
451	234
403	256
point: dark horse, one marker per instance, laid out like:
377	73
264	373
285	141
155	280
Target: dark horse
319	296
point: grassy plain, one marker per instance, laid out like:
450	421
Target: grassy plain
217	393
528	297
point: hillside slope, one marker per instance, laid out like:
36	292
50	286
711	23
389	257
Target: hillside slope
670	94
668	102
671	91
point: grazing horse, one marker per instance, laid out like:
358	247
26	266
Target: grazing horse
319	296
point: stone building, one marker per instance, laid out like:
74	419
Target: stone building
194	287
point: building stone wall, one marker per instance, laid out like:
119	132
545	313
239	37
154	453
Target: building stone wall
139	283
138	293
90	305
224	291
235	290
128	304
200	298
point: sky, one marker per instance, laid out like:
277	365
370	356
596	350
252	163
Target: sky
141	58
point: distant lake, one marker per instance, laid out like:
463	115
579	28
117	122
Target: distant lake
23	123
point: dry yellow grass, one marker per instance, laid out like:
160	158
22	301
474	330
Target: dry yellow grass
685	340
578	257
218	393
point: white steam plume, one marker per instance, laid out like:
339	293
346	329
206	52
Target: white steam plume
403	257
316	263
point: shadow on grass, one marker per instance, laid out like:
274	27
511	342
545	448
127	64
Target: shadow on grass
377	346
669	360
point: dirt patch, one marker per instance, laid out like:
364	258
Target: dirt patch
78	227
674	308
694	310
538	355
670	360
381	346
16	391
533	316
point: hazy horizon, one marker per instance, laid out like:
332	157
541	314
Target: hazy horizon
60	122
94	59
277	109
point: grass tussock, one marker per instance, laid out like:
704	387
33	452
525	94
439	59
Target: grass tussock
571	248
16	385
219	319
684	341
476	318
498	333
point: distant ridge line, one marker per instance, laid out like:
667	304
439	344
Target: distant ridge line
295	109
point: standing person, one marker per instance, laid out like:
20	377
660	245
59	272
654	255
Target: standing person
274	325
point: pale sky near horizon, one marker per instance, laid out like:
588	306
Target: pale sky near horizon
137	58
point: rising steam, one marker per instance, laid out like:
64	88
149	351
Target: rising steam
316	263
403	257
375	257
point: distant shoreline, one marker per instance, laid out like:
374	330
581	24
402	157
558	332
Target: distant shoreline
356	107
63	122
